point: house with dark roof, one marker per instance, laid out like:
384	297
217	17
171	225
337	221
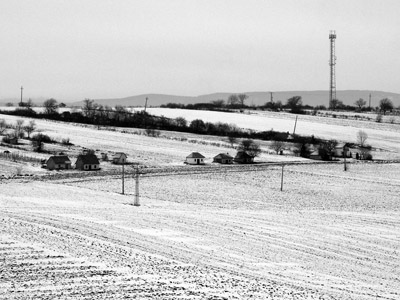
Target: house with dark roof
58	162
223	158
195	158
119	158
243	158
341	149
87	162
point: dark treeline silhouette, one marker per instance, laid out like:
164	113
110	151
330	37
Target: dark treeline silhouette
120	117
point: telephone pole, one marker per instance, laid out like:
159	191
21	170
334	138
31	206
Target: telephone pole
123	179
137	203
369	105
145	105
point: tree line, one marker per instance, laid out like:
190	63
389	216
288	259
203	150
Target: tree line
294	105
99	115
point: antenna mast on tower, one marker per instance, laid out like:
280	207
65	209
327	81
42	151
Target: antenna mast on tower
332	63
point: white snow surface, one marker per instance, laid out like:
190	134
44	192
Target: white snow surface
217	234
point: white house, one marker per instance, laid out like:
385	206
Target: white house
195	158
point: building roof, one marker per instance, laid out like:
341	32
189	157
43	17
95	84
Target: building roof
119	155
60	159
195	155
88	159
224	156
242	154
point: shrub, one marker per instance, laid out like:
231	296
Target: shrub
66	142
42	138
6	139
152	132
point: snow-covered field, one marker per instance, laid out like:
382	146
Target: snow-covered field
217	234
381	135
328	235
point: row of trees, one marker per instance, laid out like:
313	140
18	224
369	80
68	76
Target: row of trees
18	130
293	104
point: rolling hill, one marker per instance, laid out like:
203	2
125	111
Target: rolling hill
313	98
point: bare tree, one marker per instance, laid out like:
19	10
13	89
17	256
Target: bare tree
242	98
326	149
31	127
87	108
3	126
233	100
362	137
250	147
277	146
232	140
295	103
385	105
360	103
365	149
29	103
19	128
50	106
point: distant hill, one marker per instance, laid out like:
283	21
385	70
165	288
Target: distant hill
312	98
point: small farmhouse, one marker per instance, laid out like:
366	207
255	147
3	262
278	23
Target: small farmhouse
243	158
223	158
58	162
340	149
87	162
195	158
119	158
315	155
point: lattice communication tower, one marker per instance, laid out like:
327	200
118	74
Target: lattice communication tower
332	63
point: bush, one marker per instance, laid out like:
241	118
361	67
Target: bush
6	139
42	138
368	156
152	132
66	142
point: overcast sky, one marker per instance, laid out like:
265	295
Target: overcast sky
76	49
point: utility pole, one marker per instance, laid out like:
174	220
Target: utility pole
282	179
345	154
137	203
123	179
295	123
144	115
369	106
22	88
272	98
